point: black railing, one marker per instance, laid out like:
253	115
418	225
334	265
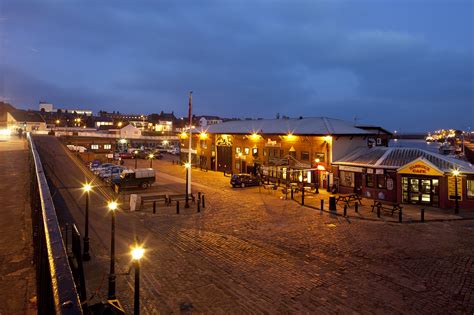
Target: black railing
55	286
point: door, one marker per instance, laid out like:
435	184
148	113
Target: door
425	191
357	183
414	190
224	159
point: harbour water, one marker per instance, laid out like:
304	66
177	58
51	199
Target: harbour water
420	144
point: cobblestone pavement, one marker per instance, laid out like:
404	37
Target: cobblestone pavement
249	251
17	274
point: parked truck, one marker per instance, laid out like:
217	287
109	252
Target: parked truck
141	177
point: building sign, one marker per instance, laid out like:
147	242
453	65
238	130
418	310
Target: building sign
271	143
351	169
452	188
379	171
224	140
420	166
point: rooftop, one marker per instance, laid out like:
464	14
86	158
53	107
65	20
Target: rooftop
394	158
297	126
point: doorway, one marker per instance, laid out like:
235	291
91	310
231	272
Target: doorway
420	190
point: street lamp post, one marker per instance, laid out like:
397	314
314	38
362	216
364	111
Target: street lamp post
456	200
111	295
317	175
135	153
151	156
187	166
137	254
85	255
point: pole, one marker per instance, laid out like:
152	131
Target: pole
317	179
135	161
151	162
188	184
111	295
136	304
85	254
456	208
186	205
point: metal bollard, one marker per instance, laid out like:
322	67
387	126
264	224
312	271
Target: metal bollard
422	214
199	202
400	215
302	197
154	207
322	204
203	202
378	211
356	207
345	210
291	194
177	207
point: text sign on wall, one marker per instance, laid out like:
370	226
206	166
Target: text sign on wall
452	188
419	167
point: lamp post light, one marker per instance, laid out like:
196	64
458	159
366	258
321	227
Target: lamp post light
317	175
151	156
456	200
137	254
111	294
187	166
135	156
85	255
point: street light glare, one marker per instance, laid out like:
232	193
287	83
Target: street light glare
137	252
455	172
87	187
150	155
187	165
112	205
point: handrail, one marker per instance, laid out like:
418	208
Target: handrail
50	252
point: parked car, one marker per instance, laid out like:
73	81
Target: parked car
111	171
96	170
125	155
174	151
244	180
141	177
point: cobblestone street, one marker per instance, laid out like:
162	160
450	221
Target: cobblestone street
250	251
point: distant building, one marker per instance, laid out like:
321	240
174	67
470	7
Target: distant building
163	122
204	121
49	108
27	121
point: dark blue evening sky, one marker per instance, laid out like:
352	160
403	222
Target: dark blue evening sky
405	65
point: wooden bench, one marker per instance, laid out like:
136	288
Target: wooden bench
386	206
347	199
180	197
154	198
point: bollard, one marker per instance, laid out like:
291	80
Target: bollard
199	202
378	211
345	210
422	214
291	193
177	207
203	202
302	197
154	207
400	215
322	204
356	207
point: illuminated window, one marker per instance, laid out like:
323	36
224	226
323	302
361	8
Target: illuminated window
94	147
470	188
238	150
370	180
246	151
346	178
264	152
107	146
304	156
255	152
320	156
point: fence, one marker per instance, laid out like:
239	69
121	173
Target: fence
55	286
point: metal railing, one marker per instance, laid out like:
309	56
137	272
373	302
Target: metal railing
55	286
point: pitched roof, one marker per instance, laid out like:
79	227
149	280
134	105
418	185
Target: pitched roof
296	126
26	116
394	158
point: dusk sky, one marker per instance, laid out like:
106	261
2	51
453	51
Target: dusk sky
404	65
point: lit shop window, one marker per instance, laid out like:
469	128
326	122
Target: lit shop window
94	146
470	188
304	156
107	146
370	180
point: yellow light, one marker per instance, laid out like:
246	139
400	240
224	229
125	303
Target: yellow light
184	135
290	136
87	187
328	138
455	172
240	154
254	136
165	142
5	132
57	121
137	253
151	156
187	165
123	141
135	152
203	135
112	205
119	124
316	160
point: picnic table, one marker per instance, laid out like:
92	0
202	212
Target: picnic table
272	186
181	197
348	198
386	206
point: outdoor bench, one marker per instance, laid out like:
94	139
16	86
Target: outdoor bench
386	206
347	199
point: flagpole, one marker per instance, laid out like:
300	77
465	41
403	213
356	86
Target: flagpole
190	137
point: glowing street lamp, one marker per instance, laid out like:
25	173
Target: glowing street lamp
135	157
111	294
151	156
85	255
456	200
187	165
317	175
137	254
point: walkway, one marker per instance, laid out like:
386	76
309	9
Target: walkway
17	280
